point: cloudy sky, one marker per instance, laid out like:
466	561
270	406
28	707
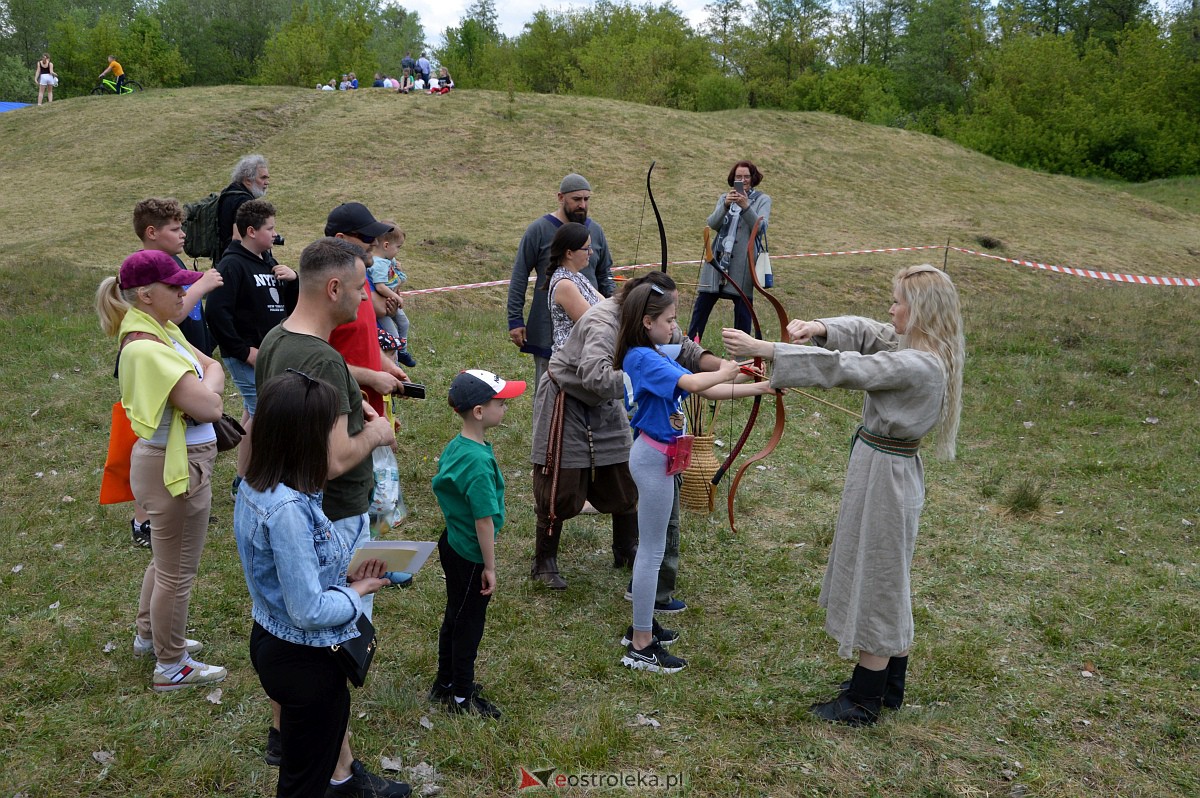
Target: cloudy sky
437	15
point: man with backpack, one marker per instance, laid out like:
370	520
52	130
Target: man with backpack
248	181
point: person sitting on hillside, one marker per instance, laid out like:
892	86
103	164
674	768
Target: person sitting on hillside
444	83
418	84
353	81
378	82
344	84
406	82
330	86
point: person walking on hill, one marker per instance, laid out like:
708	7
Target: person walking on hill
911	372
45	78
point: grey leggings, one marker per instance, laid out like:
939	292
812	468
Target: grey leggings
656	494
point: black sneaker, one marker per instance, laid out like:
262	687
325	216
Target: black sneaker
365	784
140	533
665	636
652	658
233	487
475	705
274	752
406	359
441	693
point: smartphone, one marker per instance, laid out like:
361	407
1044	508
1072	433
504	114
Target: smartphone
412	390
739	186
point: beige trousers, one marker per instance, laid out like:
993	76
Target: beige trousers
178	529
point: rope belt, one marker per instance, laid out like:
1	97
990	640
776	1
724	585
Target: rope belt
881	443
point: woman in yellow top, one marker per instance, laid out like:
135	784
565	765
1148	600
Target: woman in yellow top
172	394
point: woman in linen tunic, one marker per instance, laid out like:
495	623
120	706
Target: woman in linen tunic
911	371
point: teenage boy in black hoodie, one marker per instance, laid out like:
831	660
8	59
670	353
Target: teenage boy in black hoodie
257	294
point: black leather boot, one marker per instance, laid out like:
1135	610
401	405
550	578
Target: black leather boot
893	693
625	539
860	703
897	672
545	560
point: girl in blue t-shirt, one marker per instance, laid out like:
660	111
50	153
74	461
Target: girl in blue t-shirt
659	386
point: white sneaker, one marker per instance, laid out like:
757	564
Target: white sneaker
145	648
192	674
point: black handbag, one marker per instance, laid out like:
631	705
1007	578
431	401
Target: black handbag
355	655
229	432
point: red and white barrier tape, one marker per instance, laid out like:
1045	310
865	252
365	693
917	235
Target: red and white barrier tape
1137	279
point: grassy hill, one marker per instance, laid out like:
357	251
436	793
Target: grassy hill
1060	543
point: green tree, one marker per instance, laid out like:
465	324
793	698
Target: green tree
221	40
942	51
298	53
148	56
868	32
724	26
474	50
396	31
786	38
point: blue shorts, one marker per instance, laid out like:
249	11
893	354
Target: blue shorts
242	374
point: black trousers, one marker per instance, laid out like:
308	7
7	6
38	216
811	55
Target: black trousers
703	306
311	689
462	627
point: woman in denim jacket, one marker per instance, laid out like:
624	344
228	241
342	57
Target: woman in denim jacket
295	564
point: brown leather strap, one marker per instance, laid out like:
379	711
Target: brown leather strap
554	442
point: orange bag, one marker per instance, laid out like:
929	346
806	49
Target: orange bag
114	485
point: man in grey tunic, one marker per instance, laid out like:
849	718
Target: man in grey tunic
594	458
911	371
533	256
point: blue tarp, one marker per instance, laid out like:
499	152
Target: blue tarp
11	106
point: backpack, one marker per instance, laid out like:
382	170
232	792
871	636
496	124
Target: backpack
201	225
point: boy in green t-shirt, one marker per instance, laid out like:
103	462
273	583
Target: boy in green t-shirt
470	491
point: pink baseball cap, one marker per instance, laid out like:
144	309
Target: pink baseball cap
153	266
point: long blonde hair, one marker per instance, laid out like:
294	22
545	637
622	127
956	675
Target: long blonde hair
935	326
112	303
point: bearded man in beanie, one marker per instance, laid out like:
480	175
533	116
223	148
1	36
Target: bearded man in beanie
533	255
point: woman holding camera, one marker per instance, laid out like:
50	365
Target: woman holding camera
734	217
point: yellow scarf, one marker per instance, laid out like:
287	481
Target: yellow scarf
147	373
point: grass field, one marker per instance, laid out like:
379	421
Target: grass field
1055	584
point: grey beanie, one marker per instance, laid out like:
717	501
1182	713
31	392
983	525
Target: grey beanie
574	182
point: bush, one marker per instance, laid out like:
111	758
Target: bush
720	93
16	81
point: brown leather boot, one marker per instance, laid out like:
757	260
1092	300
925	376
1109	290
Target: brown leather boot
545	560
625	539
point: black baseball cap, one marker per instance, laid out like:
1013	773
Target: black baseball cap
353	217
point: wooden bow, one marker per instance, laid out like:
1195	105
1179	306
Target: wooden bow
780	410
662	231
757	406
